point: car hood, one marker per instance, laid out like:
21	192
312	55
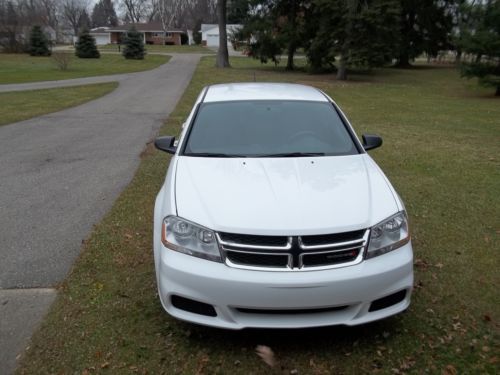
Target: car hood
292	196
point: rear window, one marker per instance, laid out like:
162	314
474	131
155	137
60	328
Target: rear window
268	128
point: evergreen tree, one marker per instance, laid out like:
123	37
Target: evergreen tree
197	32
85	47
482	40
273	26
39	44
104	14
425	26
134	45
362	33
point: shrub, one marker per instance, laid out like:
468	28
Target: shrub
61	59
85	47
134	45
39	44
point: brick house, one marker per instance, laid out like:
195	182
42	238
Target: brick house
152	32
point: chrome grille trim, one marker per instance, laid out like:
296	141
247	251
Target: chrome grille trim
230	246
288	245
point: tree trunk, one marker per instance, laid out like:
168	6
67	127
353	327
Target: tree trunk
403	61
342	71
292	45
458	57
291	53
497	93
222	53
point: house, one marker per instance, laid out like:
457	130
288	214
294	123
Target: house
210	33
152	33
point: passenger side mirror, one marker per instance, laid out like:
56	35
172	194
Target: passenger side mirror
166	144
371	141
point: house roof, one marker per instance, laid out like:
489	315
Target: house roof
149	26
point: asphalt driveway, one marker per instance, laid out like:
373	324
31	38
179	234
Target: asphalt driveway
60	173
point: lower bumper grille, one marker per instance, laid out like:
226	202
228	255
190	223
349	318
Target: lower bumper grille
291	311
287	253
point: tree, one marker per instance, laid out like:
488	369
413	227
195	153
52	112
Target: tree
85	47
134	45
362	33
272	27
425	26
136	10
197	32
75	13
222	53
104	14
39	44
483	42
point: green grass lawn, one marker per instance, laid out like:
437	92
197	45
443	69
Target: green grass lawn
165	49
22	105
20	68
441	150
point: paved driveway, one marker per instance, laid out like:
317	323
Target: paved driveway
59	174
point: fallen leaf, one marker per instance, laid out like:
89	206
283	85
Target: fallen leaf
266	354
450	370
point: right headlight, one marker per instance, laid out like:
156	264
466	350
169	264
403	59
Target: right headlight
186	237
388	235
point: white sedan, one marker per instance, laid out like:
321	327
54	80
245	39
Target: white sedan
273	215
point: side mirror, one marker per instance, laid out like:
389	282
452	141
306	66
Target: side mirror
166	144
371	141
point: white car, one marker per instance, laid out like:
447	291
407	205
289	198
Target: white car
272	215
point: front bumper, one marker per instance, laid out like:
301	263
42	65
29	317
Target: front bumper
239	296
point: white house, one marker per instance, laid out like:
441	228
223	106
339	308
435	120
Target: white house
210	33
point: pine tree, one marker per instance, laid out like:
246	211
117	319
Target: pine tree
85	47
134	45
104	14
39	44
362	33
483	42
425	26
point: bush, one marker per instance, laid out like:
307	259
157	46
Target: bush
85	47
39	44
61	59
196	32
134	45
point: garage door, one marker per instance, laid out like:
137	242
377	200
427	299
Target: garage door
101	39
212	40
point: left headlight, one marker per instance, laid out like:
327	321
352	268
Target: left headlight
189	238
389	235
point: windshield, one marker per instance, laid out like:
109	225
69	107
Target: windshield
268	129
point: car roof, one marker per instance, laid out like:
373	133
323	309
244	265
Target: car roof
262	91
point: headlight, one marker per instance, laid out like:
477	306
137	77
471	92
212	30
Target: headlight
388	235
189	238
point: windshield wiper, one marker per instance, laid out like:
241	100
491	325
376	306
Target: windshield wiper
291	155
214	155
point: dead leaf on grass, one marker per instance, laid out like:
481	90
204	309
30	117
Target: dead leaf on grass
266	354
449	370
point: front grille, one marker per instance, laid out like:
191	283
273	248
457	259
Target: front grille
290	311
320	259
257	259
286	253
250	239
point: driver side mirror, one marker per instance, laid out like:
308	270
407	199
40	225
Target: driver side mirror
371	141
166	144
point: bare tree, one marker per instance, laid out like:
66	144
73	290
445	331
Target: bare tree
222	53
137	10
73	12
